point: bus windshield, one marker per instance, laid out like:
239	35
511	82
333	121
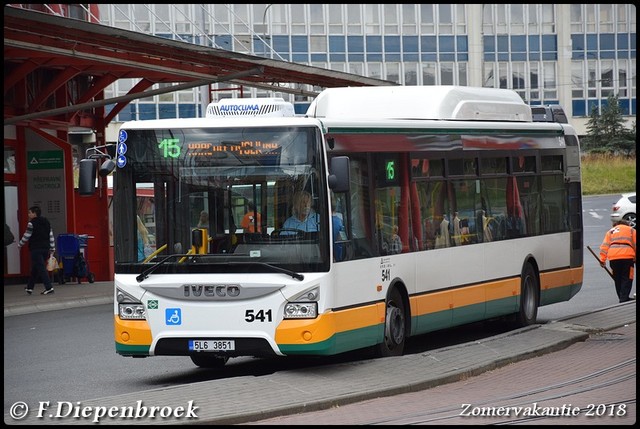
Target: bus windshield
229	199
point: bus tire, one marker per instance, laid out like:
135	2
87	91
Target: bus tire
529	297
394	327
206	360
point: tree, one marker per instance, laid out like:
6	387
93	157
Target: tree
606	132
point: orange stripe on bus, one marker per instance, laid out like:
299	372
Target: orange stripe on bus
132	332
455	298
561	278
298	331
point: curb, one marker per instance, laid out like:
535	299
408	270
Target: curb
18	310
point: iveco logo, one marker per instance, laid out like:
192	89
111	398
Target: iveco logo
196	290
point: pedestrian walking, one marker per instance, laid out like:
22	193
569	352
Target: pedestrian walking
619	247
39	235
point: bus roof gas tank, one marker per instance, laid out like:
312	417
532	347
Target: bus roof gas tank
454	103
250	107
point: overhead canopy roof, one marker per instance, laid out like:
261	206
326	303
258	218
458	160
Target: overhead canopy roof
71	48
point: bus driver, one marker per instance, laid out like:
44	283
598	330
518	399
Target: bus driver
304	218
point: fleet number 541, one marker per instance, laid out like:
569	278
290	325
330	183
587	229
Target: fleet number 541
260	315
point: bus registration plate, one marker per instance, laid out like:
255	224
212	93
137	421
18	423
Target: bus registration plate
211	345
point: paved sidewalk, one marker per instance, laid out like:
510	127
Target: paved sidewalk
244	399
68	295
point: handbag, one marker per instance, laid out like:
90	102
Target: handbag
52	263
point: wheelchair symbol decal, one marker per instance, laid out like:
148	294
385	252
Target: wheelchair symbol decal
173	316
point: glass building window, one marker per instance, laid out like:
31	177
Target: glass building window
317	18
121	17
182	23
427	20
336	19
548	18
534	84
242	43
356	68
577	22
516	16
519	79
428	74
501	19
460	18
462	74
410	73
142	17
298	20
622	15
622	79
606	18
590	15
278	20
446	74
318	44
390	18
374	70
592	83
392	72
503	75
633	79
354	19
221	19
577	80
167	97
409	14
372	19
445	18
606	78
260	19
162	22
550	81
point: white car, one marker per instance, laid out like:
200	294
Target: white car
625	208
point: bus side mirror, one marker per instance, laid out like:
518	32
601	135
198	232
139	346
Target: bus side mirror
339	179
87	179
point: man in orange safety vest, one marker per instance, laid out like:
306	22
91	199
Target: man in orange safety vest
619	247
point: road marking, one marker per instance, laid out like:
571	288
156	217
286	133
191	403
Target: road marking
595	215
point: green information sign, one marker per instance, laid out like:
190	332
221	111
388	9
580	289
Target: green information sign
44	159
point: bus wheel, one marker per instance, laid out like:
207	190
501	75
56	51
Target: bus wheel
394	327
529	298
206	360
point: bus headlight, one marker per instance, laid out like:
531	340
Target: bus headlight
301	310
131	311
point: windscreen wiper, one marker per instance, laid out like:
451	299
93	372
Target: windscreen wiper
276	268
143	275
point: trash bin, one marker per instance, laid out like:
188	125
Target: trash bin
73	256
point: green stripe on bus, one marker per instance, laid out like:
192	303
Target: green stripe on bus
338	343
558	294
132	350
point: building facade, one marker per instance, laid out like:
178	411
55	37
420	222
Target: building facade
575	55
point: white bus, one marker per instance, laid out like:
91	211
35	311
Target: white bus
455	208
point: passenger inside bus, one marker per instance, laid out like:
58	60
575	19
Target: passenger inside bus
203	222
252	221
395	242
457	233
